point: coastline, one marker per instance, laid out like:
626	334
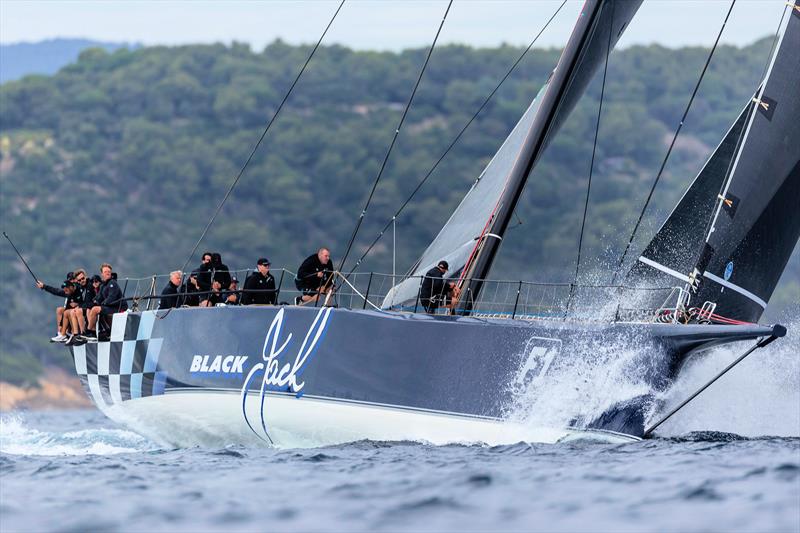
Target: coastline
56	390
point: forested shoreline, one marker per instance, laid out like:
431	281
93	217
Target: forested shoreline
123	157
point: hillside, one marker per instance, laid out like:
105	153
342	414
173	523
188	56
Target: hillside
123	157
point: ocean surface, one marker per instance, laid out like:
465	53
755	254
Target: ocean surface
729	462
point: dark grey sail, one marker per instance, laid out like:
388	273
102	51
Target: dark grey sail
672	252
756	224
469	240
600	25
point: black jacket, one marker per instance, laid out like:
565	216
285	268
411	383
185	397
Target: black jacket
307	273
222	274
203	274
170	296
189	291
266	287
433	285
110	295
86	294
75	297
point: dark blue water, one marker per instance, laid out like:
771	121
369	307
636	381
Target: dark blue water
76	471
711	469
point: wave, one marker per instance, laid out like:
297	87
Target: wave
758	397
18	438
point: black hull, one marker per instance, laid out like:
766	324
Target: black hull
459	366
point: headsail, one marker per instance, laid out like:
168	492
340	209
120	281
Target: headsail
749	191
672	252
472	235
756	224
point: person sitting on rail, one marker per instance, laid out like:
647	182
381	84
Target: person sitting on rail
232	295
435	291
314	276
66	291
109	300
220	270
85	294
259	287
170	296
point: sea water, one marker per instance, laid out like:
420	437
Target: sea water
729	461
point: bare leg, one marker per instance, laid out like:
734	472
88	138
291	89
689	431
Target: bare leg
73	315
60	325
93	313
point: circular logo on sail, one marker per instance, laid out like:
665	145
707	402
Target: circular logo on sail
728	271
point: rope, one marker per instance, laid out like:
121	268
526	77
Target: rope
255	148
591	165
672	145
454	141
394	139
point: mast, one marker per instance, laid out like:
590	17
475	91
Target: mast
580	59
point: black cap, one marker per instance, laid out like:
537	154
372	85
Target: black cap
234	280
263	261
443	264
70	275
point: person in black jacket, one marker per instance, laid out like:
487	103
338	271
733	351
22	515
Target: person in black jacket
67	291
259	287
203	272
233	296
314	275
85	293
170	296
109	299
435	290
221	271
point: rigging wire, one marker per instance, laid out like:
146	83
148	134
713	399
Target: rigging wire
394	139
671	145
454	141
250	157
263	134
591	164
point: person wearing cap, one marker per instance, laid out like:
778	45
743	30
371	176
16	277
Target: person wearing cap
435	290
259	287
232	295
67	291
314	275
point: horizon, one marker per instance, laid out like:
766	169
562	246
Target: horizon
371	25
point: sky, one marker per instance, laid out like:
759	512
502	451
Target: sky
371	24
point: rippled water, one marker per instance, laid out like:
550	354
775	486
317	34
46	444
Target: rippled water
711	469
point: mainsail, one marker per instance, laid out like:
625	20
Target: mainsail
470	239
755	217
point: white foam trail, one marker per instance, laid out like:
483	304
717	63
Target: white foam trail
18	439
758	397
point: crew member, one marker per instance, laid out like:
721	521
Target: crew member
221	270
85	295
232	295
170	296
67	291
315	275
109	299
259	287
435	290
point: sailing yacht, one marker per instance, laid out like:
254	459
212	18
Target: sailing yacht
376	367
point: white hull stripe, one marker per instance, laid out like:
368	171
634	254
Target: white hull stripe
666	270
731	286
